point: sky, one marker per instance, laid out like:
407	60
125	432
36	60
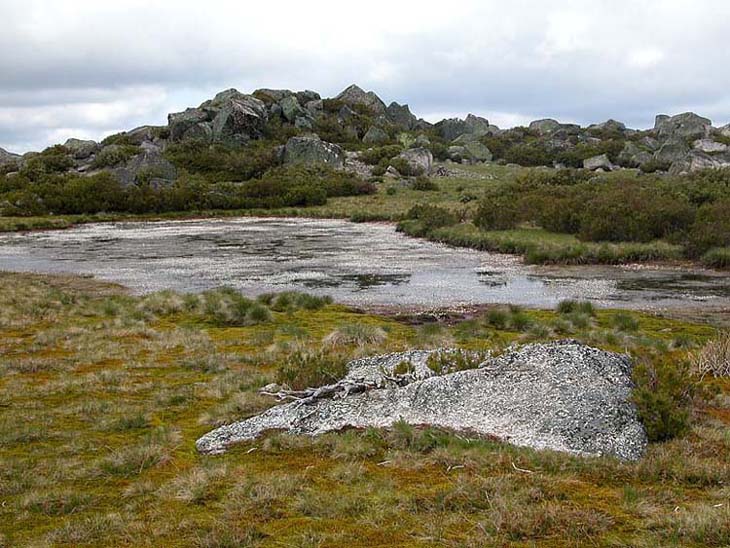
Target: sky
86	69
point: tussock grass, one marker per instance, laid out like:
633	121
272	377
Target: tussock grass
714	358
102	396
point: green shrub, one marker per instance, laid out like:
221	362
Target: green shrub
373	156
623	321
497	211
114	155
717	257
663	395
222	163
428	218
425	184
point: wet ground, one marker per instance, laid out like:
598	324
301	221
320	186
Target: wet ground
368	265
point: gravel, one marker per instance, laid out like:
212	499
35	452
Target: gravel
561	396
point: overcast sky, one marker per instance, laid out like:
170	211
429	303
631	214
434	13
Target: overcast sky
87	68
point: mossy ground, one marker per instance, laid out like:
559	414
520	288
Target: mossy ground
102	396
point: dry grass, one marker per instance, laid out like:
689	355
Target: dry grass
102	396
714	358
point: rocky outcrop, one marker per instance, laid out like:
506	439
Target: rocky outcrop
419	159
560	396
401	116
354	95
148	167
310	149
8	158
231	118
709	146
686	126
81	149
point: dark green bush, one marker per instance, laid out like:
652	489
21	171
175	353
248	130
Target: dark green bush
374	156
498	210
221	163
663	395
425	184
114	155
432	217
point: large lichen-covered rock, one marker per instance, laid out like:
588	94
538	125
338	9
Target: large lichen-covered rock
420	160
561	396
375	136
686	126
231	117
544	126
674	150
633	156
310	149
190	125
401	116
81	149
451	128
354	95
238	117
291	109
477	126
598	162
149	167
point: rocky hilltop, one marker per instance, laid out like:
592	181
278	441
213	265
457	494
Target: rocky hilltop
303	127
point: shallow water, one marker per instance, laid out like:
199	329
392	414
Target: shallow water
358	264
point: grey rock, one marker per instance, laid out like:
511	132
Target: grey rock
392	173
609	125
8	158
687	126
375	136
272	95
420	159
457	153
709	146
191	124
401	116
142	134
451	128
238	117
545	126
307	96
354	95
291	109
303	122
310	149
81	149
674	150
149	166
650	143
659	119
476	125
561	396
598	162
725	131
314	107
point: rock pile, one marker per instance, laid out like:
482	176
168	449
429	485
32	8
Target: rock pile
561	396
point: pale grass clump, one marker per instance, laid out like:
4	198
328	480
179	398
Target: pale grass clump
154	449
699	523
195	486
355	334
55	502
75	532
714	359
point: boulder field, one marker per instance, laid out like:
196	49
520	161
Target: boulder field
360	119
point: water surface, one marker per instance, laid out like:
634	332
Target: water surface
358	264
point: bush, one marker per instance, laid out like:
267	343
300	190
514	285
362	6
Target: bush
580	307
114	155
717	257
373	156
424	184
430	218
222	163
498	211
663	395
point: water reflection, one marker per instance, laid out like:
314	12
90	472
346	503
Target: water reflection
355	263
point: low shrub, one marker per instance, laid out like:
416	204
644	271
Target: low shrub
663	394
307	369
571	307
425	184
714	358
